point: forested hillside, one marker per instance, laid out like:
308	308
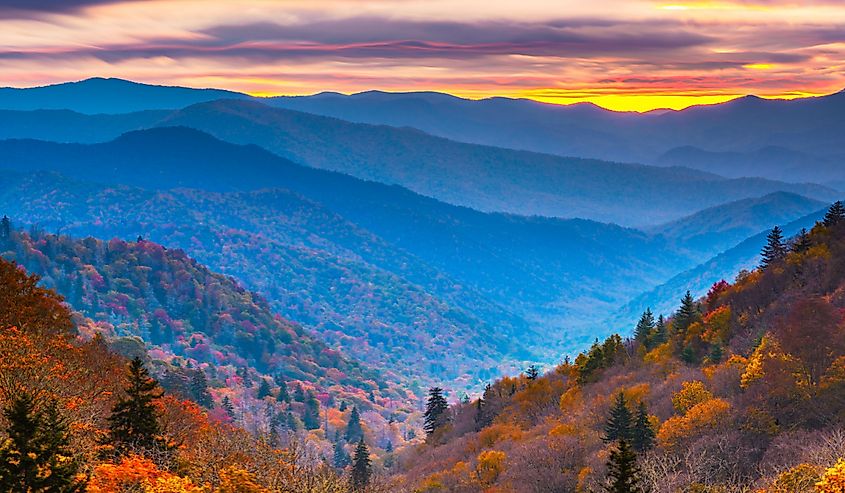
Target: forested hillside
740	389
77	416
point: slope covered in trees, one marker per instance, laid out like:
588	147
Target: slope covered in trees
741	389
77	417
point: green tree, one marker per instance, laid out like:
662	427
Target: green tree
133	422
354	432
644	328
619	422
199	389
835	214
686	314
435	411
311	417
283	395
362	467
642	435
227	406
802	241
263	389
532	373
660	334
775	249
340	458
5	229
36	457
623	473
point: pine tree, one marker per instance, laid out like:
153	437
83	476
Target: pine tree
342	407
5	229
802	241
340	458
532	373
619	423
642	435
227	406
660	334
283	395
623	473
311	417
354	432
435	411
835	214
299	394
199	389
687	313
362	468
775	249
36	457
644	328
263	389
133	421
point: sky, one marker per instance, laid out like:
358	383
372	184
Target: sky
627	55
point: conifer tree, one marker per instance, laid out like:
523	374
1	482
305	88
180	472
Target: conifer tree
354	432
623	473
311	417
802	241
340	458
532	373
775	250
199	389
36	457
644	328
835	214
619	423
299	394
362	468
686	315
227	406
642	435
660	334
264	389
283	395
133	422
5	229
342	407
435	411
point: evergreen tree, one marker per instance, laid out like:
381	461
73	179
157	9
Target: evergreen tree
227	406
644	328
283	395
642	435
263	389
311	417
292	422
686	315
133	421
5	229
36	457
435	411
623	473
342	407
775	249
802	241
660	334
619	423
199	390
532	372
362	468
835	214
299	394
340	458
354	432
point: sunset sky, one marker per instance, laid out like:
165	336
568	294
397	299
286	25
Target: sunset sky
620	54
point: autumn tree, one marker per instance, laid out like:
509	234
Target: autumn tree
619	422
435	411
36	456
354	431
775	249
812	332
835	214
642	434
29	307
644	328
133	422
623	473
362	467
